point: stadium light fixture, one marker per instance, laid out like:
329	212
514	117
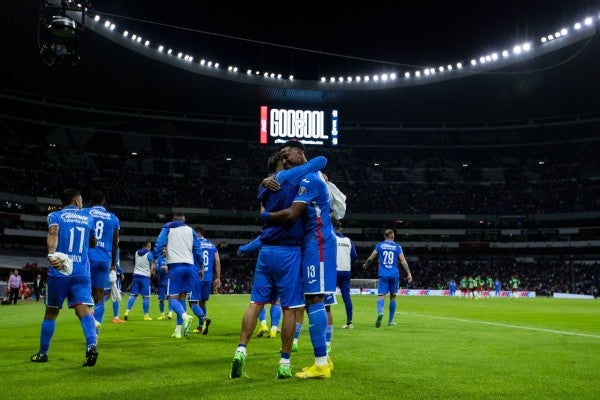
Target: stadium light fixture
490	61
58	31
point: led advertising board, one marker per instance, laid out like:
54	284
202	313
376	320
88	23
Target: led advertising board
312	127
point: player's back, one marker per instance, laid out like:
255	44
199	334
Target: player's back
274	234
388	252
105	224
74	230
208	250
180	242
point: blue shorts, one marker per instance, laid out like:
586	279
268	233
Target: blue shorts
163	290
388	284
99	270
206	288
140	284
181	278
319	270
196	288
277	275
76	289
200	290
330	299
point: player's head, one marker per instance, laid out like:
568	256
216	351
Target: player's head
179	216
274	163
338	226
71	197
199	231
292	153
98	198
388	234
147	244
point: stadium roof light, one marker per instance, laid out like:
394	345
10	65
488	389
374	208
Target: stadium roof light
442	72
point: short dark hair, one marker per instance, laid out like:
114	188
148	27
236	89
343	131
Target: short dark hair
272	162
179	216
98	198
293	143
338	225
199	229
68	195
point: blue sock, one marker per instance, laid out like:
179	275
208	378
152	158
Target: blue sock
161	306
48	328
262	315
198	311
392	309
347	304
298	330
380	305
146	305
275	314
89	329
116	307
177	308
99	311
317	318
130	302
328	332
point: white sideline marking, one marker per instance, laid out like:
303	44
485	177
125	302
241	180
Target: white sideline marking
505	325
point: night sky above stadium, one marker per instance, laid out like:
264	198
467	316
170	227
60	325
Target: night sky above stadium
309	38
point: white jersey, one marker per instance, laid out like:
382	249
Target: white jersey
180	244
344	249
142	264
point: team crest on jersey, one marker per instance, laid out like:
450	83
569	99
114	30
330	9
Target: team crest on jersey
302	190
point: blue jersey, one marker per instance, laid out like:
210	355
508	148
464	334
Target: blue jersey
285	235
295	174
280	235
75	228
208	250
319	247
452	286
163	275
318	228
388	252
251	247
105	224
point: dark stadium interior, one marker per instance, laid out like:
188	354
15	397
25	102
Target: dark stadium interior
492	174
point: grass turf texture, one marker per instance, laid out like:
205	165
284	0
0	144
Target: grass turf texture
441	348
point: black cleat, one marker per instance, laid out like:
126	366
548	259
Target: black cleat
39	357
206	325
91	356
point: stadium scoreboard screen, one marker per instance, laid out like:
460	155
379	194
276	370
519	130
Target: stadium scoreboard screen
313	127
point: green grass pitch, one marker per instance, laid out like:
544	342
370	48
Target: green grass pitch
441	348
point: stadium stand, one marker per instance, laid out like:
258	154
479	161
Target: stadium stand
513	198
